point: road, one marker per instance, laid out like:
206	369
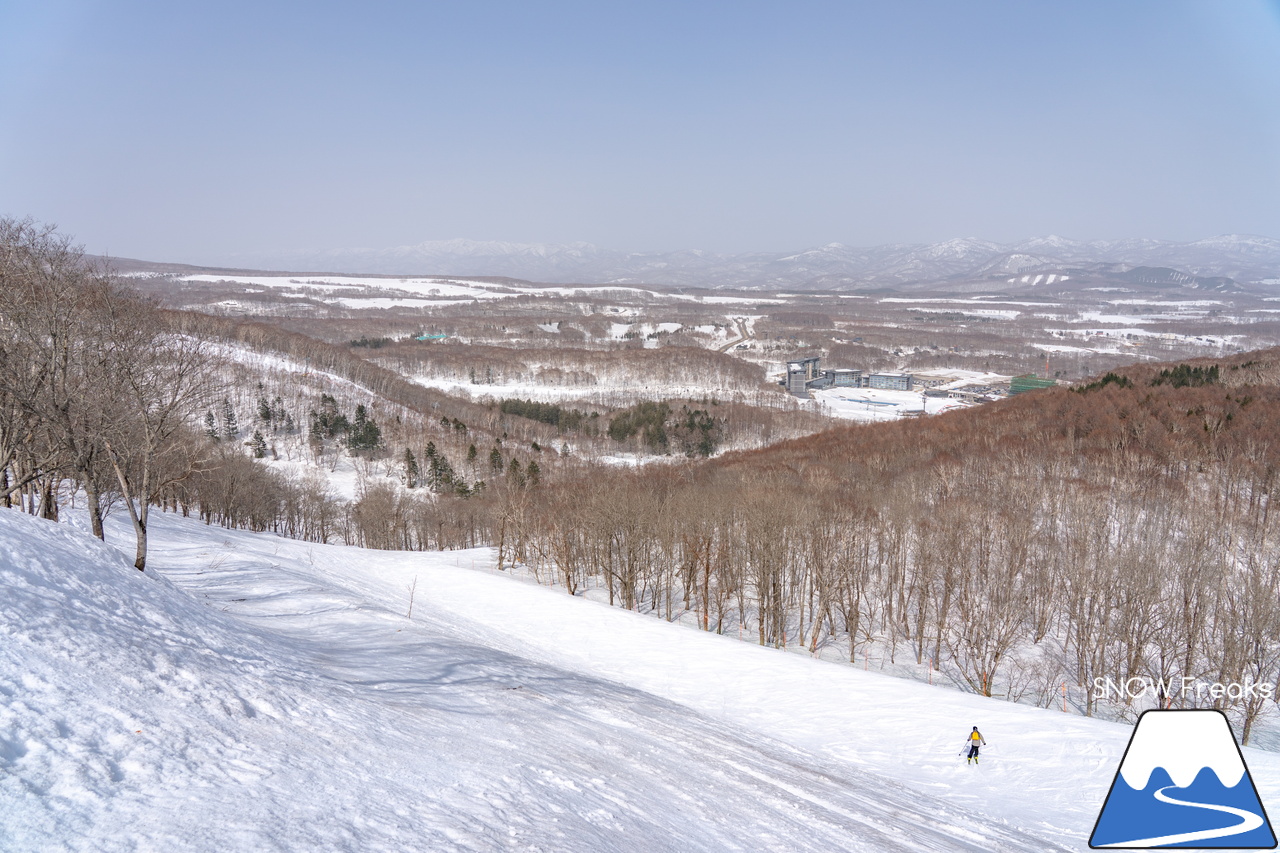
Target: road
743	336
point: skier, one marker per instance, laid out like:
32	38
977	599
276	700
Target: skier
972	743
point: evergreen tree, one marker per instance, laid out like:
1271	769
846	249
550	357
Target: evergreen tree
495	460
328	422
258	445
411	472
440	475
230	426
515	474
646	420
211	425
534	473
364	435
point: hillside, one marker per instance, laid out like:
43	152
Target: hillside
249	692
1014	553
1120	529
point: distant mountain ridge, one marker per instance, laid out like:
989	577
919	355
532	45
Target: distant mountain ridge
834	266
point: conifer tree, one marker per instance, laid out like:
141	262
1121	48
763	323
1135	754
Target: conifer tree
440	475
364	435
230	426
411	472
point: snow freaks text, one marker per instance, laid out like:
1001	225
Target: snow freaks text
1183	688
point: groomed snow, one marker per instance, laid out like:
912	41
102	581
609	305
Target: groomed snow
1060	348
873	404
255	693
250	693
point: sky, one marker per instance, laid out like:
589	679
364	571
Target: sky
203	133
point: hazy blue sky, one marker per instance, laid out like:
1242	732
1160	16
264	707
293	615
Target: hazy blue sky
197	132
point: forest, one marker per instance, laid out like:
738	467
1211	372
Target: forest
1120	528
1117	532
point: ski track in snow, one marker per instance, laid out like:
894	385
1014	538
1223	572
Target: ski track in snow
255	693
250	693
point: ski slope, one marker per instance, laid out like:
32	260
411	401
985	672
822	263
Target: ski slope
255	693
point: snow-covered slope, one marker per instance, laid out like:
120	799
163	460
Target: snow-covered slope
258	693
273	696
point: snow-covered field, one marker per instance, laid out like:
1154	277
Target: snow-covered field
369	291
873	404
354	286
620	389
254	693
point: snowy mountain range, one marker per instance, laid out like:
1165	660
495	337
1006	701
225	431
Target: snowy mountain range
834	266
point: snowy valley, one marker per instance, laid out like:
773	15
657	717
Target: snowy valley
639	427
483	564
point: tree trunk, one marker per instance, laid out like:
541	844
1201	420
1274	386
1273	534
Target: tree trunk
95	507
140	528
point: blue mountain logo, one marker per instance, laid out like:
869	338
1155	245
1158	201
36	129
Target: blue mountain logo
1183	783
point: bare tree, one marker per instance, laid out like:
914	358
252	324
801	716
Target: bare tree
163	380
56	401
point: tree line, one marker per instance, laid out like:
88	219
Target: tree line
1052	539
95	387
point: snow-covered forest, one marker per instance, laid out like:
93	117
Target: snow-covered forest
1002	556
1120	529
255	693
